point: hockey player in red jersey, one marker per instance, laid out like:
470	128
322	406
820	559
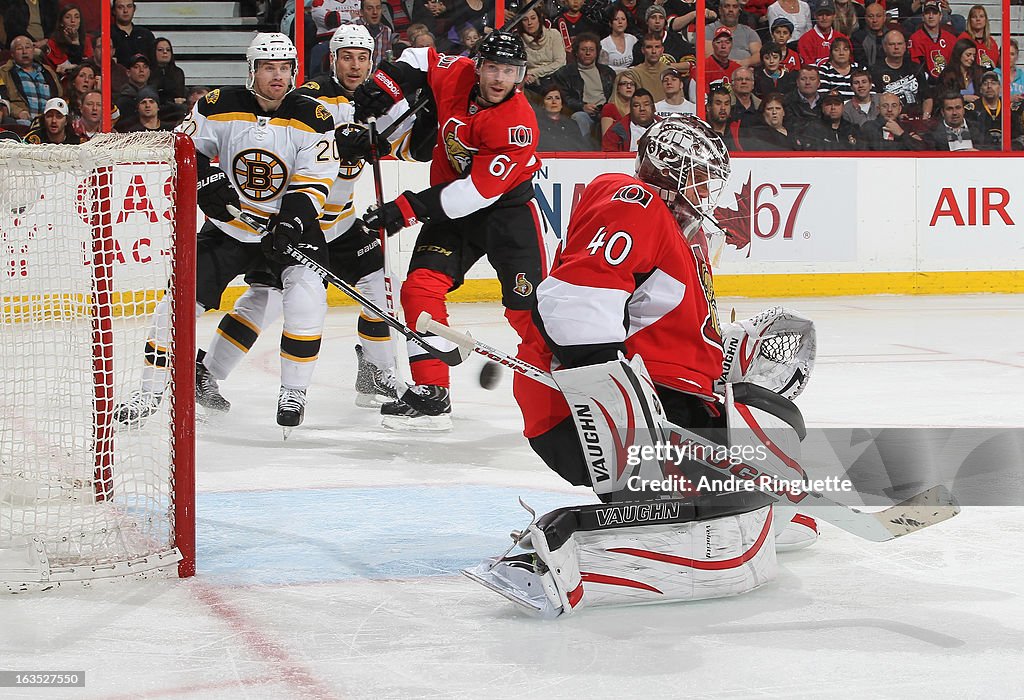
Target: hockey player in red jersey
480	201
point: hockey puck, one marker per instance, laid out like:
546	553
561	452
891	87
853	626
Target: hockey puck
490	375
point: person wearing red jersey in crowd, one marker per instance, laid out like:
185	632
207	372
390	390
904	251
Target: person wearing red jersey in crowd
980	33
480	201
718	68
624	134
571	22
931	45
814	46
782	31
69	46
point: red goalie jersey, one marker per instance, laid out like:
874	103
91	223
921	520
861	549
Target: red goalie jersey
625	280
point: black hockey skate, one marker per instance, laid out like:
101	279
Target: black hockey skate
372	386
139	406
422	407
207	392
291	409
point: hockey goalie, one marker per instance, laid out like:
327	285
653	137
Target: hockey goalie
647	404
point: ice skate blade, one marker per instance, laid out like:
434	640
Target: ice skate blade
422	424
371	400
286	430
534	604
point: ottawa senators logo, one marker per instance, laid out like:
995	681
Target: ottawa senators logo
939	61
460	156
521	136
259	175
523	286
633	194
712	329
446	61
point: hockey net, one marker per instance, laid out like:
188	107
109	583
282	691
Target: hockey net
91	237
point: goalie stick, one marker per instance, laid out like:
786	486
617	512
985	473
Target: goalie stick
916	513
449	357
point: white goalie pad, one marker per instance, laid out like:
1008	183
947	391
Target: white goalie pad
647	552
617	414
774	349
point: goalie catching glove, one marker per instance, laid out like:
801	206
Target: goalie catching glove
774	349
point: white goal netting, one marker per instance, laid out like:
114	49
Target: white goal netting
88	243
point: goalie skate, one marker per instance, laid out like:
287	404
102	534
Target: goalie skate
139	406
373	388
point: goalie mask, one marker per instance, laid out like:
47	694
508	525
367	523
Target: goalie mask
687	162
270	47
349	36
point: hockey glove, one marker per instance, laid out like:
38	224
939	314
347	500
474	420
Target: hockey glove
354	144
283	233
215	195
394	216
378	94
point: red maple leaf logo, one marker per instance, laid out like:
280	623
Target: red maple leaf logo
737	222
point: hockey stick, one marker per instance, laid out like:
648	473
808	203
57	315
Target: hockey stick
424	100
449	357
916	513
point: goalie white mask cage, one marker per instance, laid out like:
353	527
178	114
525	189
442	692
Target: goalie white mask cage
91	236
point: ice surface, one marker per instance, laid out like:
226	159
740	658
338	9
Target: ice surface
327	564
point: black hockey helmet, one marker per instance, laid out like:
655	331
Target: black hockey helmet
503	47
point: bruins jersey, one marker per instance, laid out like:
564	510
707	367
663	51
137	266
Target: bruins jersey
339	213
266	155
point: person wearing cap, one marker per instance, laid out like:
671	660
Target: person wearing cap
814	46
129	39
718	67
886	132
674	45
746	44
831	132
53	127
987	112
772	76
138	78
5	113
146	114
29	83
794	14
782	30
931	45
674	83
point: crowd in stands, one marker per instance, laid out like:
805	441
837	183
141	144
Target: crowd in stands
778	74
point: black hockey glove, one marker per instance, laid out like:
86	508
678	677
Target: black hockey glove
378	94
283	233
216	194
394	216
354	143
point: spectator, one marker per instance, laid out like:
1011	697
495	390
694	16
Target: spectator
719	109
863	106
29	83
438	19
138	77
636	11
424	40
987	113
814	46
5	113
831	132
397	16
837	72
586	84
673	83
474	13
370	13
68	46
129	39
625	133
120	73
746	46
771	134
931	45
617	47
469	37
796	12
557	132
1017	84
745	104
980	33
867	41
571	22
617	107
885	133
674	47
545	52
194	95
328	15
89	120
782	30
718	67
147	113
848	17
53	127
963	74
648	73
771	76
953	133
804	106
79	82
35	19
167	78
899	75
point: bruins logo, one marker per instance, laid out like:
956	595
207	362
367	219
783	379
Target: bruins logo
212	96
312	85
259	174
351	172
322	113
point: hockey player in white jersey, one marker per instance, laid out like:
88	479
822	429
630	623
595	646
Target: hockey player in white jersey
276	162
355	252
